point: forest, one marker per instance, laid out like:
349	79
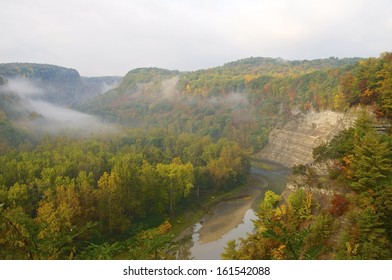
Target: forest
159	143
353	223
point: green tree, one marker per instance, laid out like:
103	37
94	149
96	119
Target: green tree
385	84
372	163
17	235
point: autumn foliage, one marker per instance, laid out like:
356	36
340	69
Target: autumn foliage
339	205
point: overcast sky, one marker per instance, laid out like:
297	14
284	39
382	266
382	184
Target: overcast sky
111	37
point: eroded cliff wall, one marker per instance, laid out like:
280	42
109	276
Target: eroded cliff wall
293	143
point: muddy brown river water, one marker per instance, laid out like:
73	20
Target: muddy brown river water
232	219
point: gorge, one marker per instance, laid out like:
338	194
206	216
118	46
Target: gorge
123	178
289	144
292	143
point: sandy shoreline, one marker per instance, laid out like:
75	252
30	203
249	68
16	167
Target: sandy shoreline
230	219
228	214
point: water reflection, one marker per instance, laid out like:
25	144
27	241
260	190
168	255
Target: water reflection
213	250
217	229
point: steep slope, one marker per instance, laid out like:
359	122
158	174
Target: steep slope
57	84
293	143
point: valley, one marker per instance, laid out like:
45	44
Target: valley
162	161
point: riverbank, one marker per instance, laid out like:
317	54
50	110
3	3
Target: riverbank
227	214
230	217
184	222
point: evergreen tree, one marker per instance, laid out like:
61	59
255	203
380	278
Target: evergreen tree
372	163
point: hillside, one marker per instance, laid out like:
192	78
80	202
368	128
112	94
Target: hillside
36	98
241	100
92	175
337	204
57	84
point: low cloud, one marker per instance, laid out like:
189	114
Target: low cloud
24	88
44	117
236	99
169	87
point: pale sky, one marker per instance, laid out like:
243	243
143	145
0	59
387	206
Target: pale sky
111	37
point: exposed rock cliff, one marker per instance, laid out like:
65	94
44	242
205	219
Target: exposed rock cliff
293	143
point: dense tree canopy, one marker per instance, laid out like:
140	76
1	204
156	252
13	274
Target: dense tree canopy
181	135
63	192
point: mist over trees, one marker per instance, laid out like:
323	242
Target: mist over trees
91	175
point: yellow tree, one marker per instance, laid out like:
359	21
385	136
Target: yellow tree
108	197
177	178
58	211
59	222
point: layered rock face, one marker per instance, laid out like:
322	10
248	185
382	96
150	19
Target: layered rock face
293	143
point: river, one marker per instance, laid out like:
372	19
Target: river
232	219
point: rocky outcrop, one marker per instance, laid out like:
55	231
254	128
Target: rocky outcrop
293	143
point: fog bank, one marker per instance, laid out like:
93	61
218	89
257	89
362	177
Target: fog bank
44	117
